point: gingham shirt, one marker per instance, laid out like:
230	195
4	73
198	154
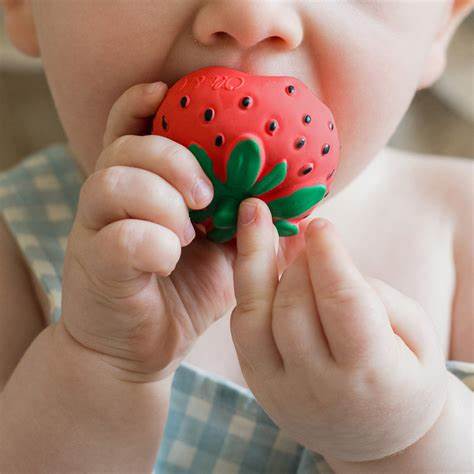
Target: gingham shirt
214	426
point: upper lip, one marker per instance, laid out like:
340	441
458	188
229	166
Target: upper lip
174	78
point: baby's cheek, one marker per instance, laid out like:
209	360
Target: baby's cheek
368	78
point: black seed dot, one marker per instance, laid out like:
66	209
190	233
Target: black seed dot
208	115
219	140
272	127
307	119
184	101
290	90
300	143
331	126
246	102
331	174
327	194
164	123
306	169
325	149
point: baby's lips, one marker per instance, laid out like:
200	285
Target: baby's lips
263	136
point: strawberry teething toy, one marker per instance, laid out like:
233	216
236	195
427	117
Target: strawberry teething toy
264	136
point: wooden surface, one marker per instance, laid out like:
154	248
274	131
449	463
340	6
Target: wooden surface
440	121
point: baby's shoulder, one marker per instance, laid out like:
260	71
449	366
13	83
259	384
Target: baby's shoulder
443	181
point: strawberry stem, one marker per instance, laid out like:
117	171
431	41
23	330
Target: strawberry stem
225	216
221	235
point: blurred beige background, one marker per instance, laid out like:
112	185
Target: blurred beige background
439	121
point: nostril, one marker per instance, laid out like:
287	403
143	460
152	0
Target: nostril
220	36
276	40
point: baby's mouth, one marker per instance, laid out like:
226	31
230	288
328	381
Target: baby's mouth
227	69
174	79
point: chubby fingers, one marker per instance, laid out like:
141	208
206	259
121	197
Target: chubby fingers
255	282
120	192
353	317
408	319
164	157
131	112
296	325
125	249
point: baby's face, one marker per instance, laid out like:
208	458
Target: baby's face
364	59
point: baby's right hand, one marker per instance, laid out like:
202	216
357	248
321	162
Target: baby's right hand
130	292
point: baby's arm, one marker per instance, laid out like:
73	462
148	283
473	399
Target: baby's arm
447	447
91	392
23	320
60	410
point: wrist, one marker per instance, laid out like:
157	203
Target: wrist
62	406
107	366
445	447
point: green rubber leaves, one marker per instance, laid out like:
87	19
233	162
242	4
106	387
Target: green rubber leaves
270	181
297	203
285	228
225	215
243	168
243	165
204	161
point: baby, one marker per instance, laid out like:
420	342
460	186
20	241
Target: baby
172	353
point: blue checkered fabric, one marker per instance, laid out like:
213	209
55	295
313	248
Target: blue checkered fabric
214	426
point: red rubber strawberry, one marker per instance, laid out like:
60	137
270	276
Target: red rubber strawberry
262	136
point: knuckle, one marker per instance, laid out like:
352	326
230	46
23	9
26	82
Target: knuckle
286	302
137	90
118	145
342	294
172	151
126	237
101	183
176	200
109	179
168	247
248	305
252	249
180	162
171	201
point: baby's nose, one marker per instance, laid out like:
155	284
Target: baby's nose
248	22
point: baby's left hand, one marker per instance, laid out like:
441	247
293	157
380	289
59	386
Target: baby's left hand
347	366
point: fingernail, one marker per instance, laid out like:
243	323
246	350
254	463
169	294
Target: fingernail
189	233
150	88
202	193
314	226
247	213
320	223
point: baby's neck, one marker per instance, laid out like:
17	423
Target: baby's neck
361	187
